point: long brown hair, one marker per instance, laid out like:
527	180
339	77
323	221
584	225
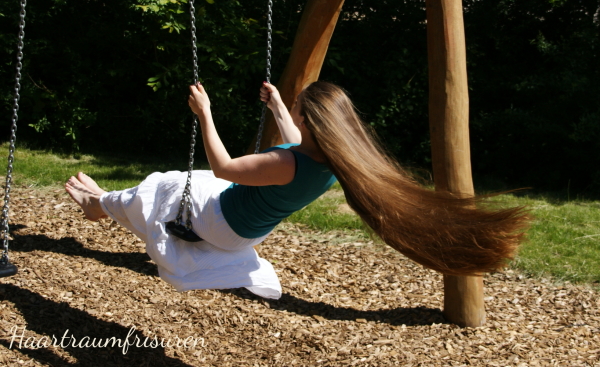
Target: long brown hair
452	235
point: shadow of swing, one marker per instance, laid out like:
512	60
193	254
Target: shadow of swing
49	318
69	246
140	263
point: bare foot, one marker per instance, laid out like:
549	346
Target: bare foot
89	183
88	201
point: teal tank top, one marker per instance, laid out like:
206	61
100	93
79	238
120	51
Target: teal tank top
253	211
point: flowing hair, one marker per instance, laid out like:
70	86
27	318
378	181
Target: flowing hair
452	235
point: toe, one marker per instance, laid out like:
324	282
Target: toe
74	181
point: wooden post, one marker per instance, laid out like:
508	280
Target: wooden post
318	21
449	128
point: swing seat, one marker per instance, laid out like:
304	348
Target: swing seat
7	269
180	231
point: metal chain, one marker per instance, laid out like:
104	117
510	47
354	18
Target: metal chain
186	199
13	137
268	77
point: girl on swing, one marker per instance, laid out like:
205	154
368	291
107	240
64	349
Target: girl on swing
239	202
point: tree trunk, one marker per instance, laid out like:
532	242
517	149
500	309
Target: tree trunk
449	128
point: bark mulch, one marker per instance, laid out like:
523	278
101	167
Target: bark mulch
87	294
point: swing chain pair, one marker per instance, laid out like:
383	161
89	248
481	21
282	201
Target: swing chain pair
13	137
186	200
268	77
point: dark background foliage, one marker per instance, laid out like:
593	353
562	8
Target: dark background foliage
112	77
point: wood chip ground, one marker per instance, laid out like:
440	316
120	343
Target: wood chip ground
91	287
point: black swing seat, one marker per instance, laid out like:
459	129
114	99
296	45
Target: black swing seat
180	231
7	269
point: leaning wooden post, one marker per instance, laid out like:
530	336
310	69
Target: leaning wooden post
318	21
449	128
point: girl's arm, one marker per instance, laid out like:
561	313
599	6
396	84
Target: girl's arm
289	131
272	168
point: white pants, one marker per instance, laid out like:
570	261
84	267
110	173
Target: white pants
222	260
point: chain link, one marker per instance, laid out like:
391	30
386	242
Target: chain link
13	137
268	77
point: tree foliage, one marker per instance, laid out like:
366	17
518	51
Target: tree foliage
535	94
114	76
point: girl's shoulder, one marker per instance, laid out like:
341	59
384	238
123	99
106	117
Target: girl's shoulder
280	146
317	157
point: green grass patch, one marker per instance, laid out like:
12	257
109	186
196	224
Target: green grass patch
330	212
563	242
36	168
564	239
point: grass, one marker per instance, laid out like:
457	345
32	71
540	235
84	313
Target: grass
564	239
329	212
563	242
34	168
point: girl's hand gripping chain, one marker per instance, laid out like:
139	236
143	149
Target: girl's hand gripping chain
198	100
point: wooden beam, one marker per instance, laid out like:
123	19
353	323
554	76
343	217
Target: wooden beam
449	128
318	21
